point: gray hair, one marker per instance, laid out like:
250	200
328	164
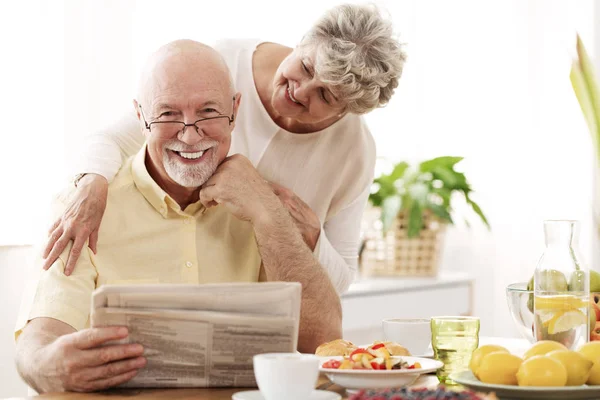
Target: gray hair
357	55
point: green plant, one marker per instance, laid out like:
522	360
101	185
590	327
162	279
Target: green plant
585	86
429	186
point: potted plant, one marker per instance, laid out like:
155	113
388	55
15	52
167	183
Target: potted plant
416	205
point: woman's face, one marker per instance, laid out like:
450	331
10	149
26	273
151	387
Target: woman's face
299	94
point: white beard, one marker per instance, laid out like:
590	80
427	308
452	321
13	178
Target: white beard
185	175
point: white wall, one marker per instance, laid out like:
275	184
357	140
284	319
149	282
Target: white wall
14	265
487	80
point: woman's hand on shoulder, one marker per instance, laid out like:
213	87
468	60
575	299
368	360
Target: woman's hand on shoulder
304	217
79	222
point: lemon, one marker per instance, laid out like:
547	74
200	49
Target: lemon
566	320
591	351
499	368
559	302
481	352
543	347
578	367
542	371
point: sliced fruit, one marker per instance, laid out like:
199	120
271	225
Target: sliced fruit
566	320
559	302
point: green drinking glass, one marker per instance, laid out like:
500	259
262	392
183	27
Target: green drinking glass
453	340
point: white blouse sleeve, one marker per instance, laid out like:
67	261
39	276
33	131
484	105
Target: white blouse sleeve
105	151
337	247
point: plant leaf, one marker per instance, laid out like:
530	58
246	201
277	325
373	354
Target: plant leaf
389	211
586	89
441	212
446	162
415	220
478	211
399	170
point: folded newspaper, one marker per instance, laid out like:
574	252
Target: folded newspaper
201	335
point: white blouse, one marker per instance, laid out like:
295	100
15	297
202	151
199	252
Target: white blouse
330	170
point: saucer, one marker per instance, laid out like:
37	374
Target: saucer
256	395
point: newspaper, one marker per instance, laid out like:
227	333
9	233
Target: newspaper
201	335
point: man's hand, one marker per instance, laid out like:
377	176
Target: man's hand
237	185
304	217
79	222
81	361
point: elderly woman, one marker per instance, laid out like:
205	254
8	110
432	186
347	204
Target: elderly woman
299	124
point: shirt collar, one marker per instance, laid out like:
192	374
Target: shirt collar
156	196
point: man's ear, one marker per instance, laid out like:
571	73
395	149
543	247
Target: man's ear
236	107
137	110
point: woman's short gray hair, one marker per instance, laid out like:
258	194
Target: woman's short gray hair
357	55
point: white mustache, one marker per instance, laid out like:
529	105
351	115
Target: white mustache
176	145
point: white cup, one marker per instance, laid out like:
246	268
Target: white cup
412	333
289	376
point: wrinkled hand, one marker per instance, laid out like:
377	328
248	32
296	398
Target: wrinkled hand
304	217
237	185
79	361
79	222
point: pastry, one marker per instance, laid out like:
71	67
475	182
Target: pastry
396	349
338	347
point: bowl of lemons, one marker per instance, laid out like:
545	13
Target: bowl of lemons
547	370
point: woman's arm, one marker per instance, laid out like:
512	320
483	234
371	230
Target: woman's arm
337	248
336	243
105	151
103	155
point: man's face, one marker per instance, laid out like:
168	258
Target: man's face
188	92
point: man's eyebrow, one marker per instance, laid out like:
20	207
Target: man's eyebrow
211	103
162	106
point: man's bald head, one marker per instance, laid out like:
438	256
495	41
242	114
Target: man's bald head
186	106
182	58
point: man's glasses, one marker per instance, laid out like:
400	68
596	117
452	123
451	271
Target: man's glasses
211	126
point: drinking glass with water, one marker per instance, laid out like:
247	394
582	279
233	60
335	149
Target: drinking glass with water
453	340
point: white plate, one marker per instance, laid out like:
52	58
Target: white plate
379	379
256	395
507	392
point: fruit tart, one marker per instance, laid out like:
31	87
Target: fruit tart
440	393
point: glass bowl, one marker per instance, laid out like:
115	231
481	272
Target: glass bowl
520	305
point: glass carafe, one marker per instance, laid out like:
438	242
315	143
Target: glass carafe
561	288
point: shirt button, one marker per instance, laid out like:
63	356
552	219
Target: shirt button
189	264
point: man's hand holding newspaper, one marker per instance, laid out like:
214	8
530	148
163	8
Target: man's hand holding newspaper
201	335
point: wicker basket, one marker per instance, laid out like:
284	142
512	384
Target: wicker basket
397	255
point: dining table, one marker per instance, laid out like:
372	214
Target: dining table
429	381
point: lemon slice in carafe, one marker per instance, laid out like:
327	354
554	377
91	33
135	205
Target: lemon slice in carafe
566	320
559	302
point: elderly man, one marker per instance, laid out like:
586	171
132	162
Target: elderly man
156	230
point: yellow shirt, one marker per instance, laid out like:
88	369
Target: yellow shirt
144	237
